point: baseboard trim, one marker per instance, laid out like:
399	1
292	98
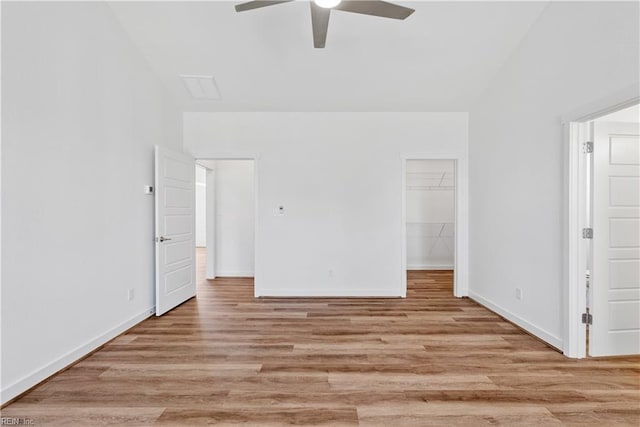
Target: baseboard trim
25	384
235	273
421	267
540	333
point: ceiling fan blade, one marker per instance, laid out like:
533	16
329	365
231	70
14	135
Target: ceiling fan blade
258	4
320	24
375	8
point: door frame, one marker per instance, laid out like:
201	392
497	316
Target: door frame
211	233
576	131
461	252
210	229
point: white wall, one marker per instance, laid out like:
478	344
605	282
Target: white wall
235	218
201	206
82	110
430	215
576	53
339	178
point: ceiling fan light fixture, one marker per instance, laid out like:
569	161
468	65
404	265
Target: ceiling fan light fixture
327	4
321	10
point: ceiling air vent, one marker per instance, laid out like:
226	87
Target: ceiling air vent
201	87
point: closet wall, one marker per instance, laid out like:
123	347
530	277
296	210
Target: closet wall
430	188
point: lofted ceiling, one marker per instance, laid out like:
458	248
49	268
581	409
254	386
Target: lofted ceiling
438	59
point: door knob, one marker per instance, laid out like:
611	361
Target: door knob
164	239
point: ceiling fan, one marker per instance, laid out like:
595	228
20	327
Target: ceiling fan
321	9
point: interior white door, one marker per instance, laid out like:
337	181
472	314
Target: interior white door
175	228
615	296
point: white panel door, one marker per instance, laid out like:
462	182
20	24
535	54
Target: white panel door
615	294
175	229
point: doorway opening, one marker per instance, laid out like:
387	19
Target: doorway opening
604	233
430	221
225	219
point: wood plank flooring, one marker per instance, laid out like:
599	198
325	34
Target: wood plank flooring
227	358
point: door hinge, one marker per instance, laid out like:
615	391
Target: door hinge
587	319
587	147
587	233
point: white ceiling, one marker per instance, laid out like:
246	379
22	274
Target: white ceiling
439	59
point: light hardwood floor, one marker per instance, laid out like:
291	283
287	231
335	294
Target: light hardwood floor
431	359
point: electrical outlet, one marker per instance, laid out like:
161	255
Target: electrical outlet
518	293
130	295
